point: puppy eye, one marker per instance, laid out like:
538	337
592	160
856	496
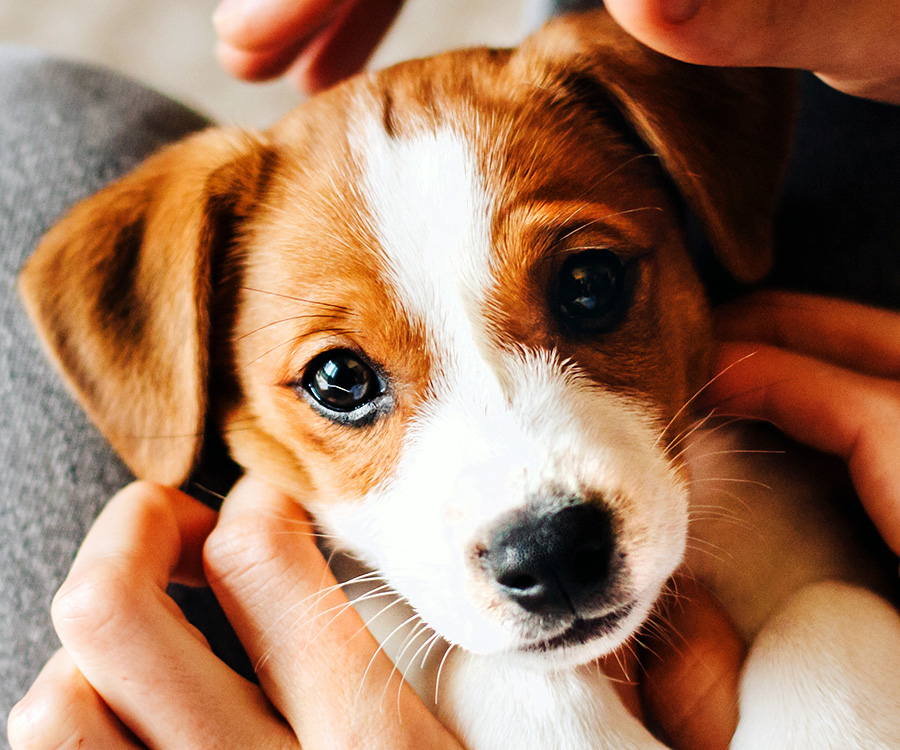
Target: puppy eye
340	381
593	290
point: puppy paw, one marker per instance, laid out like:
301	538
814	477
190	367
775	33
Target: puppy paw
824	674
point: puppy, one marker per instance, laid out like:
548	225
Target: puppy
453	307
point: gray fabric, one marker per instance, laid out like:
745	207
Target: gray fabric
65	131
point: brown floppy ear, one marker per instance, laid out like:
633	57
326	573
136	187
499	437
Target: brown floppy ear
120	293
722	134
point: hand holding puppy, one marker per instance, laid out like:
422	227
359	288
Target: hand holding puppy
134	673
852	46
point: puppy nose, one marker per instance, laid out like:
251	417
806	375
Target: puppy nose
552	561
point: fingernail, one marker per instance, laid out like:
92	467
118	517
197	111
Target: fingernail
227	11
678	11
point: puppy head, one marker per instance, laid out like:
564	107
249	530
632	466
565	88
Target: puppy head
449	307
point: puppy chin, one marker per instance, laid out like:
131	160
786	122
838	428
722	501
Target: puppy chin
583	642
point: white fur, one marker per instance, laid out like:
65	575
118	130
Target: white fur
823	675
567	709
431	213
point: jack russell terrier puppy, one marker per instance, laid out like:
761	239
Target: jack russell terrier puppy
451	306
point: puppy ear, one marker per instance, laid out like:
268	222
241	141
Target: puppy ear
722	134
120	293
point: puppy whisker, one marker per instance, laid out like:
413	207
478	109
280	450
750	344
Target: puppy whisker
707	510
728	420
686	434
376	593
733	495
601	219
207	490
636	639
317	597
736	480
315	316
269	351
709	549
660	628
328	305
617	655
741	451
724	517
323	592
386	608
434	640
343	607
308	534
700	390
378	650
418	631
437	682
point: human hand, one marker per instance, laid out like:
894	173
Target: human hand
852	45
133	673
827	372
317	42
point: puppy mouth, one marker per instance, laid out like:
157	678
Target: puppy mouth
581	631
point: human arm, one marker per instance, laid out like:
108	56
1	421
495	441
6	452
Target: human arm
853	46
134	673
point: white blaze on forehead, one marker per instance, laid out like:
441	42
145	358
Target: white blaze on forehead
431	213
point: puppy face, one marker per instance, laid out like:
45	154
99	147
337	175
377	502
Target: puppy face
476	335
448	307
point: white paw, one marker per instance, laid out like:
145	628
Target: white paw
824	674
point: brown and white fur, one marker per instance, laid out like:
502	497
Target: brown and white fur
421	218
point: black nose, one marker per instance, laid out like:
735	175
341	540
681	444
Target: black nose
552	561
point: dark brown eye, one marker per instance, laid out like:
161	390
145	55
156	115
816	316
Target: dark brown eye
593	291
343	385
